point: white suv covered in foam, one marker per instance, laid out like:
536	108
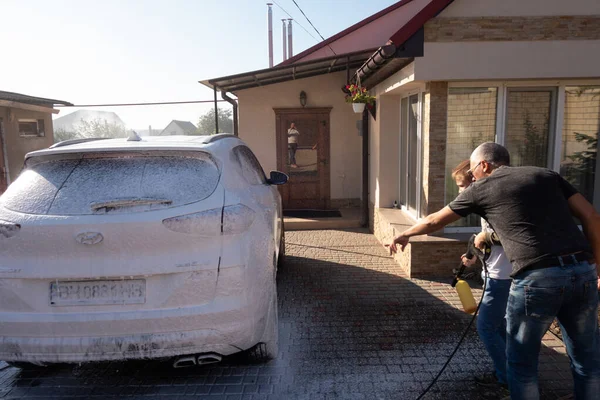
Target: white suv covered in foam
128	249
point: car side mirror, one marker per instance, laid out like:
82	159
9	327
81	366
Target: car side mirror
277	178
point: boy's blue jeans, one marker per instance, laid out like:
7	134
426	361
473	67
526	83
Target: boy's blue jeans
491	323
569	293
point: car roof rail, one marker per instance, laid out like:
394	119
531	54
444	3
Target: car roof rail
219	136
74	141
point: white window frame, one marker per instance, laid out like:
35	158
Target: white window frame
556	126
415	215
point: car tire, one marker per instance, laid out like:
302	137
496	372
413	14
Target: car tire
268	347
281	257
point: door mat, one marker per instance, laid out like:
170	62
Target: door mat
312	213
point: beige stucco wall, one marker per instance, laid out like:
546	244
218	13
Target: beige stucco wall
384	148
257	126
17	146
509	60
496	8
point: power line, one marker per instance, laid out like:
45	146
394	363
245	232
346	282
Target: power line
140	104
297	23
311	24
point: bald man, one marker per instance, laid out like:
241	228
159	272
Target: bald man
554	262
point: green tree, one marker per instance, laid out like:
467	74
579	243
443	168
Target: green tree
96	128
581	172
206	124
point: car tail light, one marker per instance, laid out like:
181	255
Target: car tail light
8	229
230	220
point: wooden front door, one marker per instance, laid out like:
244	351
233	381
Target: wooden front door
309	176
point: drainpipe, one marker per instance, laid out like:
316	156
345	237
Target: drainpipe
379	58
216	111
234	104
365	169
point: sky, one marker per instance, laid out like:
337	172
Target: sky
132	51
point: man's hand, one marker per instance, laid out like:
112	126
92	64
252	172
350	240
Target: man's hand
480	241
468	261
399	240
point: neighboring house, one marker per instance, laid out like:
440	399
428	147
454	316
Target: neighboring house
448	75
72	122
25	125
176	127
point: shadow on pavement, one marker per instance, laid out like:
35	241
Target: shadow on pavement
351	327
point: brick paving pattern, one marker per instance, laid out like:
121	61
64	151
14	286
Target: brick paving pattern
352	326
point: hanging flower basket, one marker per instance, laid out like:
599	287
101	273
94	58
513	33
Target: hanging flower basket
358	107
359	97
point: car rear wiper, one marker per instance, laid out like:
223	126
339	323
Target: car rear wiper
121	203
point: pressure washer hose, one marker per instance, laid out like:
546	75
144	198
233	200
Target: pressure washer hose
462	338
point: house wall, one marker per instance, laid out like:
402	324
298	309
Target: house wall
384	147
17	146
257	126
510	8
487	39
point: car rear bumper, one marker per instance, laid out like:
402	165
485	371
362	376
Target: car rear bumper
197	331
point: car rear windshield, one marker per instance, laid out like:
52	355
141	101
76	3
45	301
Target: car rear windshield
112	183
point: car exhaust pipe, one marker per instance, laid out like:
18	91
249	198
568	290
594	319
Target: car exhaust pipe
209	358
183	362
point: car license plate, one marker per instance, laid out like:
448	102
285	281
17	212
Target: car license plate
90	293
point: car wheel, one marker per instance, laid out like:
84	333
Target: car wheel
281	258
268	347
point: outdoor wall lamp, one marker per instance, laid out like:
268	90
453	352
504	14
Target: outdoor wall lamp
303	98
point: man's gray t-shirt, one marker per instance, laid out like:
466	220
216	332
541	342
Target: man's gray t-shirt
528	209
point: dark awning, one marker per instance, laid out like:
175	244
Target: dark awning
23	98
284	73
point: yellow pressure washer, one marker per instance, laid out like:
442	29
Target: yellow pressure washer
462	287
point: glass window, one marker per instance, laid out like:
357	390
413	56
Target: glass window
581	128
403	147
104	183
471	121
409	152
529	121
31	127
249	165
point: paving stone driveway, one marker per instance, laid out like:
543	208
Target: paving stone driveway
352	326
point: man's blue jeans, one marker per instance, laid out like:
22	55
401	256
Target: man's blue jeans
569	293
491	323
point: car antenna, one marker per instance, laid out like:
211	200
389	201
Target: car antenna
134	137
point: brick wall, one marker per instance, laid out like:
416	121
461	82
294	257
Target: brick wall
472	29
435	107
432	257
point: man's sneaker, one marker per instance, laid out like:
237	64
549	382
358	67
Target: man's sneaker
489	379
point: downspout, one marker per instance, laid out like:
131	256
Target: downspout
234	104
365	169
216	110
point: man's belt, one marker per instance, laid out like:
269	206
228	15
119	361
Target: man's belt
560	261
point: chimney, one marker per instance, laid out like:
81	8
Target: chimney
284	40
270	13
290	51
